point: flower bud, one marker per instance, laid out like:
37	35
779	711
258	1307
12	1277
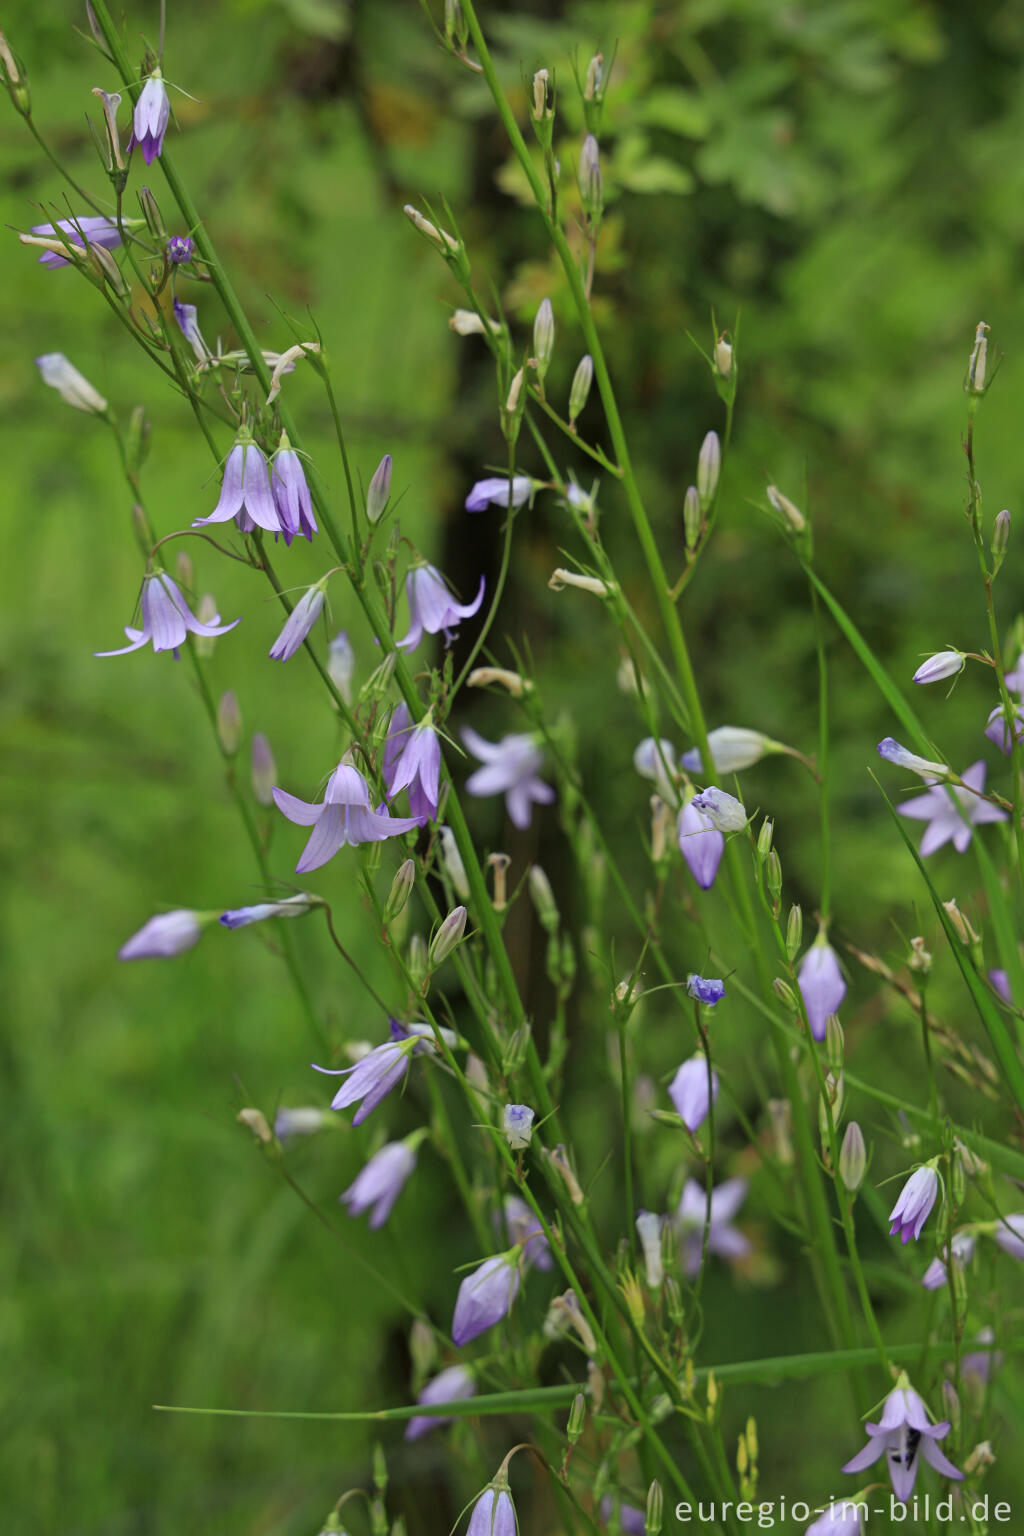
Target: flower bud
110	103
517	1124
794	931
262	770
453	864
12	74
835	1093
1000	537
951	1404
593	85
456	27
723	357
940	666
60	375
416	961
784	992
229	723
543	103
257	1123
773	875
378	491
341	664
448	936
445	243
709	467
466	322
974	383
422	1348
543	338
835	1042
693	517
151	213
581	382
853	1158
577	1419
902	758
920	959
961	924
648	1227
786	509
561	578
781	1112
401	889
653	1514
764	838
591	181
543	898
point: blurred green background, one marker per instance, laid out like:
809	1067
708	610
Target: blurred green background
846	178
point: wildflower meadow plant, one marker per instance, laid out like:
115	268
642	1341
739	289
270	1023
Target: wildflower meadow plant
530	1025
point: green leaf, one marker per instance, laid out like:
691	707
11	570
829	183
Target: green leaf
676	110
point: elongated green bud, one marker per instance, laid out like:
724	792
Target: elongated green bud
12	74
262	770
1000	537
853	1158
448	936
581	382
543	338
773	875
784	992
655	1507
577	1418
401	888
709	467
229	723
693	517
764	838
378	491
835	1043
543	898
787	510
417	960
794	931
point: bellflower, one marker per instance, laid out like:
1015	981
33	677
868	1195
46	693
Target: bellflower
432	608
493	1514
87	229
412	761
152	113
299	622
180	250
485	1296
291	493
688	1091
705	989
723	810
166	619
821	984
510	768
380	1182
914	1205
900	757
453	1385
188	324
291	906
626	1517
1009	1234
524	1229
723	1238
655	760
164	936
842	1519
245	493
940	666
998	731
371	1079
700	844
345	815
1001	981
732	747
936	1275
517	1125
494	492
946	823
72	387
902	1431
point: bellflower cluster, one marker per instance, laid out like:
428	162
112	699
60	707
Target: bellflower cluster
345	816
246	495
511	768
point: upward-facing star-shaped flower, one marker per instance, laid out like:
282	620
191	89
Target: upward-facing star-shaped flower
952	814
510	768
345	815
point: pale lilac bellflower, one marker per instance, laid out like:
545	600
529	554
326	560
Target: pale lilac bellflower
493	1514
87	229
952	813
822	986
901	1433
245	493
344	816
452	1385
371	1079
511	768
494	492
688	1091
723	1238
524	1229
485	1296
261	912
166	619
180	250
914	1205
299	622
380	1182
164	936
291	493
412	761
700	844
187	316
152	114
432	608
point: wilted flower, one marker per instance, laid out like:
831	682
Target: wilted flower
245	492
517	1124
345	815
952	814
86	229
688	1091
723	1238
164	936
152	113
962	1248
412	760
723	810
291	493
261	912
1009	1234
700	844
940	666
732	747
914	1205
381	1181
903	1431
494	492
821	984
510	768
299	622
432	608
485	1296
166	619
705	989
493	1514
70	384
371	1079
522	1226
453	1385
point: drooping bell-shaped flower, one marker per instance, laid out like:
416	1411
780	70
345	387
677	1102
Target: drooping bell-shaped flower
485	1296
904	1430
299	622
187	317
245	493
700	843
656	760
915	1202
412	761
152	114
85	229
689	1092
372	1078
821	984
493	1514
940	666
291	493
166	619
344	816
432	608
494	492
380	1182
453	1385
164	936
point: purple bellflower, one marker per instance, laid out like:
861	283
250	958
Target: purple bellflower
180	250
371	1079
723	810
901	757
485	1296
510	768
381	1181
344	816
902	1431
88	229
940	666
1009	1234
732	747
700	844
705	989
524	1229
494	1514
166	619
1001	981
187	317
821	984
723	1238
936	1275
152	113
946	822
998	731
624	1517
412	761
291	493
453	1385
245	493
164	936
494	492
688	1091
914	1205
841	1519
432	608
299	622
291	906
